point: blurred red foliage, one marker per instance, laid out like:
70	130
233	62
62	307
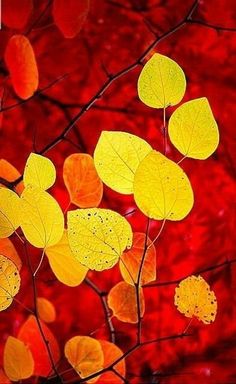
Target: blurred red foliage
115	34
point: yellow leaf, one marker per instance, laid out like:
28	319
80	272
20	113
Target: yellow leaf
161	82
122	300
9	212
17	360
9	282
161	188
193	298
193	129
85	355
42	219
98	237
64	264
130	261
117	156
46	310
8	250
39	172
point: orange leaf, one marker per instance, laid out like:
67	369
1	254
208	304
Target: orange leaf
29	333
8	250
85	355
111	353
10	173
15	13
21	63
18	361
46	310
82	181
123	302
70	15
130	261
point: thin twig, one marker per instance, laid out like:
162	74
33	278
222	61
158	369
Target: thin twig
107	314
197	272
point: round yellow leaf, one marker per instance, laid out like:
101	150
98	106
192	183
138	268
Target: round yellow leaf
9	212
46	310
9	282
42	219
17	360
39	172
98	237
161	188
116	158
64	264
193	298
193	129
85	355
161	82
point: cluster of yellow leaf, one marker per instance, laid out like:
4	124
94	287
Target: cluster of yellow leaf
127	164
89	356
194	298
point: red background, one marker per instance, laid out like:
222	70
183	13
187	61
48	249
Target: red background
116	36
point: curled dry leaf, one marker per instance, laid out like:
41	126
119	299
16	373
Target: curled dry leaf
98	237
46	310
123	302
82	181
193	129
9	212
42	220
64	264
39	172
17	360
29	333
10	173
15	13
111	353
70	15
130	261
22	66
161	82
9	282
85	355
194	298
162	190
117	156
8	250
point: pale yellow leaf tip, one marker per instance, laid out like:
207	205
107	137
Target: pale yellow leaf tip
39	172
116	158
9	212
161	82
17	360
42	220
194	298
193	129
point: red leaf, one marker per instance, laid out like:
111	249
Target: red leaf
29	333
15	13
21	63
70	15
